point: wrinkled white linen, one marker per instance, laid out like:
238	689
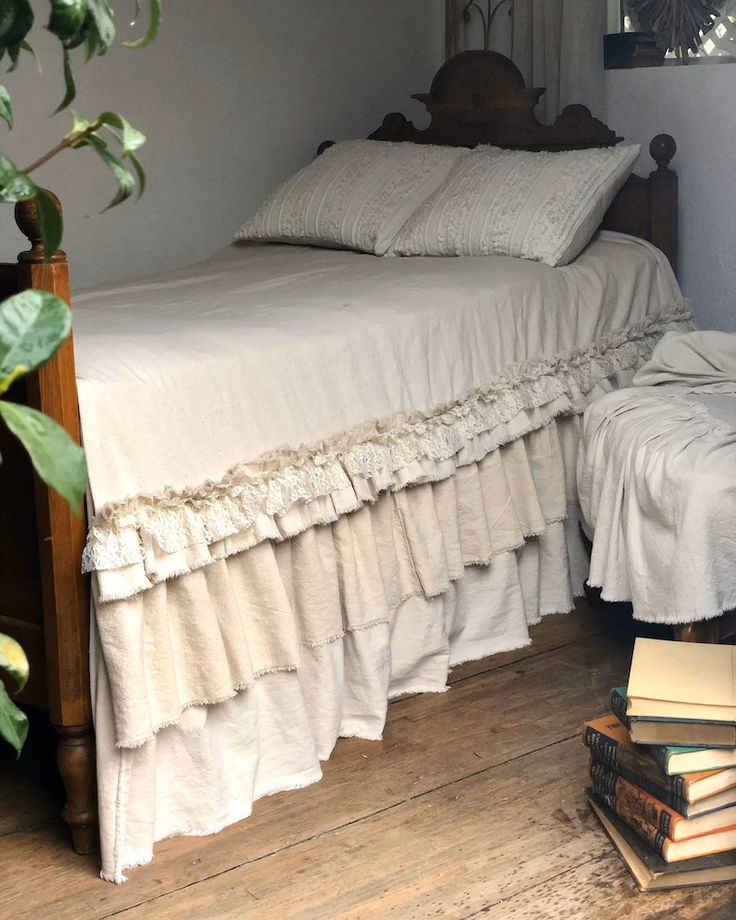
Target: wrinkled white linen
295	354
205	772
703	360
657	485
345	374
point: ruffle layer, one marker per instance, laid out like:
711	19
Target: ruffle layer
200	639
141	542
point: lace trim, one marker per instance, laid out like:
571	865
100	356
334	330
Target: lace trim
356	465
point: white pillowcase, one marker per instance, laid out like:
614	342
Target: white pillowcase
541	206
355	195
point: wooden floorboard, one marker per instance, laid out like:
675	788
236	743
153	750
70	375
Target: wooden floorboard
470	806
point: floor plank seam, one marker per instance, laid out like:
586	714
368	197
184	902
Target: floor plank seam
539	884
341	827
532	657
494	766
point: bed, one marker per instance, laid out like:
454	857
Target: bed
280	545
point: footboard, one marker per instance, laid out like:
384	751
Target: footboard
45	597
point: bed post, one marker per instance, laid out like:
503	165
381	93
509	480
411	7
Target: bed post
663	197
61	536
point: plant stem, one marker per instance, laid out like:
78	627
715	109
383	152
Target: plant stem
62	145
71	140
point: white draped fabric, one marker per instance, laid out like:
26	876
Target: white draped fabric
334	477
557	44
657	482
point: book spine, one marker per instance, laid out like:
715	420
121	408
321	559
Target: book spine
633	800
603	748
618	703
639	778
638	768
649	834
661	755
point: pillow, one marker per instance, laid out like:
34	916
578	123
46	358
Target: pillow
541	206
356	195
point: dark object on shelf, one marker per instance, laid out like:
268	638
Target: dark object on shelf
631	49
678	25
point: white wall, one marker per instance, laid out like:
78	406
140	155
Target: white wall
234	95
697	105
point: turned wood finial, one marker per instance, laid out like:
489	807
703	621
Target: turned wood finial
26	218
663	148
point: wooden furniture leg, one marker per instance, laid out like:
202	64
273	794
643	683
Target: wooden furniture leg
61	537
720	629
76	760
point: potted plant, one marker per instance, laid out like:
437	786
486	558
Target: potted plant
34	324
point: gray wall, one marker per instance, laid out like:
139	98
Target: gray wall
234	96
697	105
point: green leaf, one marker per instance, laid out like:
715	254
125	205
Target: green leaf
50	222
16	19
13	722
139	171
102	26
153	27
126	182
14	185
131	138
56	458
6	106
33	326
14	54
67	18
79	125
13	660
69	84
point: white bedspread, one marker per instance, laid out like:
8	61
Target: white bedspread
238	403
657	483
272	387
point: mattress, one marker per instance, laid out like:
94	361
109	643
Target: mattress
320	479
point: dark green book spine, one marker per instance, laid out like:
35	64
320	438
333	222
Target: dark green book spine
639	769
618	703
647	810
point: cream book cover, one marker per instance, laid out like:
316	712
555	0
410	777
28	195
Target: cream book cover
682	680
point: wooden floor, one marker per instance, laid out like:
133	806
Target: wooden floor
472	806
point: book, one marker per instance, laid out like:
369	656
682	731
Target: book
683	734
676	732
670	850
648	869
618	702
694	681
694	793
692	759
633	800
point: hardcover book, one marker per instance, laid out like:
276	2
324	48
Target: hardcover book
694	793
632	800
670	850
649	870
672	732
683	680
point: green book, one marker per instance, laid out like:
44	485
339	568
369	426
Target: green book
697	755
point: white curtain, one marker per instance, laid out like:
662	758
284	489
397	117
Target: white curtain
555	43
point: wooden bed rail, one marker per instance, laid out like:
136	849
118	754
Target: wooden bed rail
60	535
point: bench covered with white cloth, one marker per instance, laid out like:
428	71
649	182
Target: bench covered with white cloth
657	483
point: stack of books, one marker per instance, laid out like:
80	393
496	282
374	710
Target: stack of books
663	765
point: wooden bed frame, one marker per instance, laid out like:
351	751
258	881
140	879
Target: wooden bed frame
476	97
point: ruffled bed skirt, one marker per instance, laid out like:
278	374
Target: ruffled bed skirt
206	771
202	638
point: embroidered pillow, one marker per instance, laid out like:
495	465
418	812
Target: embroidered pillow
541	206
356	195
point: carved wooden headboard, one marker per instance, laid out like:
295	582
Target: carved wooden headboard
480	97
